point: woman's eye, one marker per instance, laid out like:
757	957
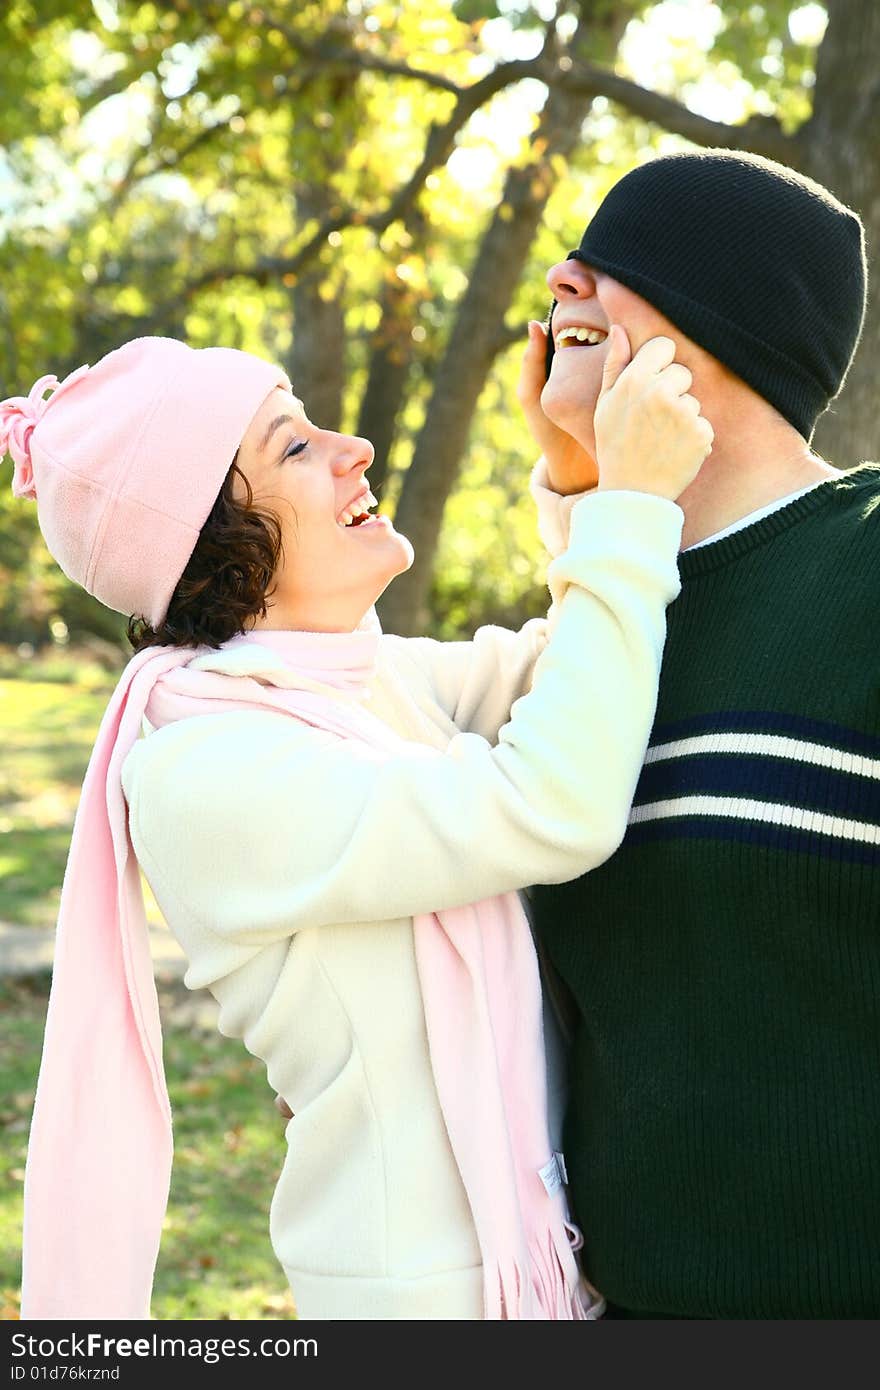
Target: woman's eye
296	447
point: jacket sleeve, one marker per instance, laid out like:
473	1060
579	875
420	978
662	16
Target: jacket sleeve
473	682
554	509
477	681
260	826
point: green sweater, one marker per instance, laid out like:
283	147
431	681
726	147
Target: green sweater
723	1131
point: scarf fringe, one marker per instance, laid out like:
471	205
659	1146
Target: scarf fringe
550	1291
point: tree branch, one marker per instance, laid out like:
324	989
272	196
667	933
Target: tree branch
333	55
438	147
120	81
759	134
441	139
508	334
172	160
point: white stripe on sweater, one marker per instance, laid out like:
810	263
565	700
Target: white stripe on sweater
768	812
773	746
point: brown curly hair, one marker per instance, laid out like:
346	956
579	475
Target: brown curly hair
227	578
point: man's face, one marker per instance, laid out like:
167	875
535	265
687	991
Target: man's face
589	299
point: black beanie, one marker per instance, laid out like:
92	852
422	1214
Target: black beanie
759	265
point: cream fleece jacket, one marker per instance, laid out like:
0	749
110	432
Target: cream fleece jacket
289	868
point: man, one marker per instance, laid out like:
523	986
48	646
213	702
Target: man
723	1121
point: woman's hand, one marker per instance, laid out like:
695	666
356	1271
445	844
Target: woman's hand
569	467
650	435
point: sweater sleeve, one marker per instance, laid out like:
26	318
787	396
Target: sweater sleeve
259	826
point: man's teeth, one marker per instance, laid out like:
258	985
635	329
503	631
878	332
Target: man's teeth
357	509
580	335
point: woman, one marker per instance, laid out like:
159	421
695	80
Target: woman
340	873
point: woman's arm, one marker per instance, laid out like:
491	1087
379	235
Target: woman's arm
474	682
260	827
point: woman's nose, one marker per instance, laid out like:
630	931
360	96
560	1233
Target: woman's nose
354	452
571	279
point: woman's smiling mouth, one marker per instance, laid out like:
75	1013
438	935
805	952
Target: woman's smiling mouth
358	511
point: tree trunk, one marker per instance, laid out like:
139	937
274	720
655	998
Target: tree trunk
316	362
390	361
840	151
477	332
460	378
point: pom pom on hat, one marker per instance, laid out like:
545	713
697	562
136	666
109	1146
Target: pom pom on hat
125	460
19	415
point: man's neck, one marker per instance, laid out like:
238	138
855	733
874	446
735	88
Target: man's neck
755	460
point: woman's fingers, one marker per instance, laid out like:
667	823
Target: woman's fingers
569	467
656	357
532	374
650	360
650	433
617	357
677	378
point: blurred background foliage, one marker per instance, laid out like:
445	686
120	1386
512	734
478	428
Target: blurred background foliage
371	192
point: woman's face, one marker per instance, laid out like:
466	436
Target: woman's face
332	571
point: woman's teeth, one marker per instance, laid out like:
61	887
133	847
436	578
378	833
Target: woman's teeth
571	337
358	510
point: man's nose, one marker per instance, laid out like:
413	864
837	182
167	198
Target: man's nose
571	279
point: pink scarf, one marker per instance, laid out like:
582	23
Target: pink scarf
99	1157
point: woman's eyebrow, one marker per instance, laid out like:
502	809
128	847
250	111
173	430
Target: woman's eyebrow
279	420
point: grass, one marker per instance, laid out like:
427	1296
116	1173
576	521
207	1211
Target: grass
215	1260
50	709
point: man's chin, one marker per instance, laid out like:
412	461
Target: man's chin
565	398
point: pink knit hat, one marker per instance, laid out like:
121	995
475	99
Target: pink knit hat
126	458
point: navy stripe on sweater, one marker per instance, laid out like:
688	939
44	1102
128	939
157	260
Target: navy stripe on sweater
775	779
769	722
764	778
